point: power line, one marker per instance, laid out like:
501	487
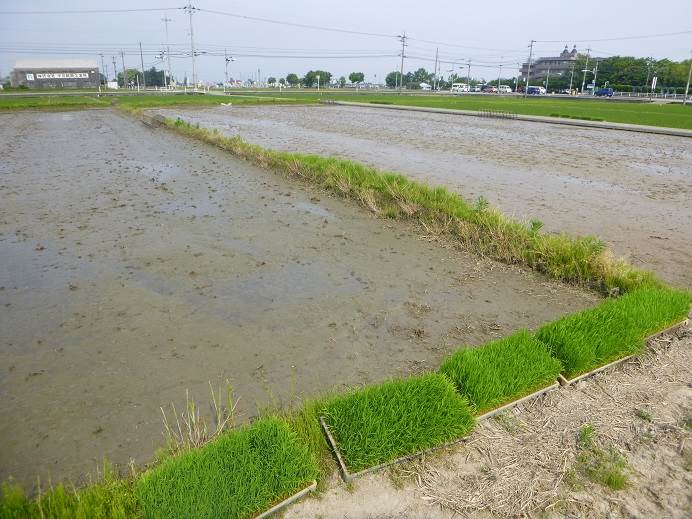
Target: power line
294	24
92	11
661	35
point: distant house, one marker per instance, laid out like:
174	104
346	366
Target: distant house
55	73
555	66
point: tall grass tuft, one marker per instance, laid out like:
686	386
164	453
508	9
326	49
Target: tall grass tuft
499	372
480	229
614	329
239	474
380	423
109	497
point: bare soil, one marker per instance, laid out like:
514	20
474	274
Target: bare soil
632	190
526	462
136	264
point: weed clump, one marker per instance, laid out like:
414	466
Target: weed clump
614	329
380	423
605	466
237	475
501	371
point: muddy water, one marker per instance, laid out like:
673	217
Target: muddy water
632	190
135	264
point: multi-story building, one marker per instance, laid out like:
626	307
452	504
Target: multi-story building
558	65
55	73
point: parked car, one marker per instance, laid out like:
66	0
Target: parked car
604	92
476	89
490	89
534	91
459	87
505	89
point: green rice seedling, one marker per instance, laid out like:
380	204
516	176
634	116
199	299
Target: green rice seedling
614	329
109	497
237	475
378	424
501	371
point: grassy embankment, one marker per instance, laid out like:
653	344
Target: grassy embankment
479	228
651	114
52	103
133	102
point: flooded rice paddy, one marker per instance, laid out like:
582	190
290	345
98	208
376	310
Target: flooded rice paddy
633	190
136	264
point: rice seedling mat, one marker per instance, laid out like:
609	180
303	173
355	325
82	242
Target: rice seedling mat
288	501
348	476
521	400
670	330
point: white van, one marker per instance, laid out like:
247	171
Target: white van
504	89
459	87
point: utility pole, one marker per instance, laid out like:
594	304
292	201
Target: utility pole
225	55
103	71
468	75
165	20
435	78
595	76
122	57
190	9
528	70
499	75
586	69
115	71
547	81
571	77
687	88
141	57
403	46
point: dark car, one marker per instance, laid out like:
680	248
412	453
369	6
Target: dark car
533	91
604	92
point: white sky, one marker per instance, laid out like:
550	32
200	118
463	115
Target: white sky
487	32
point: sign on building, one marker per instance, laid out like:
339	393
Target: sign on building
29	77
62	75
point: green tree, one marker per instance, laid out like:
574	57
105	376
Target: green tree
282	81
342	81
310	78
293	80
271	80
392	79
155	78
356	77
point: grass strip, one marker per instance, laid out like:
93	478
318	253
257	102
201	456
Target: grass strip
614	329
669	115
501	371
240	474
51	103
378	424
110	497
479	228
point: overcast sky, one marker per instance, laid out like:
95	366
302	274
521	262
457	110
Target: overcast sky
487	32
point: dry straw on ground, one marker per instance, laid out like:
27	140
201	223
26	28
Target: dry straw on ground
525	462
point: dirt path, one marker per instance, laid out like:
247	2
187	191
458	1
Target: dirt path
632	190
135	264
530	462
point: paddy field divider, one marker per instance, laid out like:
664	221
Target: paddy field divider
257	468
